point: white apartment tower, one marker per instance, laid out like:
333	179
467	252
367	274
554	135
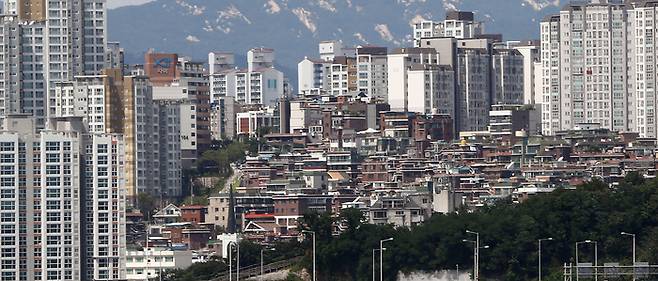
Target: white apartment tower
400	61
219	62
104	207
22	55
259	83
312	76
40	203
372	71
642	72
584	53
65	38
457	24
431	89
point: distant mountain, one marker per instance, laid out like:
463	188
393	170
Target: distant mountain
294	27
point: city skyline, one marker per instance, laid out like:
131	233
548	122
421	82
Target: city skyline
450	142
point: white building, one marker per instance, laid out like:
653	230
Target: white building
372	71
584	53
56	40
329	50
305	117
431	89
178	93
151	262
46	222
642	57
311	76
259	83
251	123
399	62
73	220
219	62
104	209
457	25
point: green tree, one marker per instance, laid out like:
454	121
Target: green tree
146	204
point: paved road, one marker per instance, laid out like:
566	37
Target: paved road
236	175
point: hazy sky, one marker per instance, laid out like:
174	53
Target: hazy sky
119	3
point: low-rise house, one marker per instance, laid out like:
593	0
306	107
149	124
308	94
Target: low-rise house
150	263
169	214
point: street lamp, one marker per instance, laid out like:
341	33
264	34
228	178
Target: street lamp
381	257
313	234
632	235
476	267
374	275
596	257
539	254
230	261
476	253
261	260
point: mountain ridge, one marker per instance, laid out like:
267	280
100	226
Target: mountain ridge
294	27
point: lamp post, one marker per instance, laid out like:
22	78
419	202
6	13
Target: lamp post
374	264
381	257
596	257
633	236
539	254
476	255
230	261
261	260
476	267
313	234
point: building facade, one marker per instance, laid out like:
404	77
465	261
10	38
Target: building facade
584	53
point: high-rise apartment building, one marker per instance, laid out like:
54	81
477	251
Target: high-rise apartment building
63	202
584	68
508	74
531	56
23	88
177	95
112	103
642	74
431	89
190	82
104	207
312	80
372	71
40	203
457	24
400	61
259	84
141	136
56	40
170	153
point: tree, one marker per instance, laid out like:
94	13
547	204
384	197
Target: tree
146	204
352	218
